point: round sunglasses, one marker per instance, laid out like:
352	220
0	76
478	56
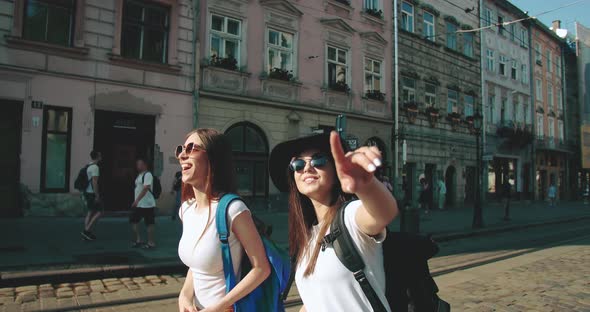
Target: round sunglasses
317	161
188	149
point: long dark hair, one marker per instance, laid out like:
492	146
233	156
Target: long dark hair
221	176
302	218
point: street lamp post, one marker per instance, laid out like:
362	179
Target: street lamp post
477	213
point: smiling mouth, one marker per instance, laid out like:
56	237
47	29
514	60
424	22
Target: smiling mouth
186	167
310	180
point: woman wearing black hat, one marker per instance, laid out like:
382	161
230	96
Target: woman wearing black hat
320	177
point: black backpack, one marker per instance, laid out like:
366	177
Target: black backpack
82	182
156	189
408	283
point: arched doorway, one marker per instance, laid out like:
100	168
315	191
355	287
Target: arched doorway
250	151
450	183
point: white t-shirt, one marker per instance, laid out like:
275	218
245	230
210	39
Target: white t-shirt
148	200
91	171
204	257
332	286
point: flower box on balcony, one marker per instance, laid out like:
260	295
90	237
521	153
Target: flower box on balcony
281	74
411	109
374	12
455	119
375	95
339	86
433	114
228	63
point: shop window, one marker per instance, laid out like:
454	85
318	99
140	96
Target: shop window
56	145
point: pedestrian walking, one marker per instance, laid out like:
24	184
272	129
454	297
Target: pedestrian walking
385	181
144	206
320	177
442	193
177	192
207	174
552	195
92	196
507	188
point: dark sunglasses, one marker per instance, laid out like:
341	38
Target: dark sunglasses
317	161
188	149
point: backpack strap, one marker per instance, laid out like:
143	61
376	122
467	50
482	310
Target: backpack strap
349	256
152	185
224	233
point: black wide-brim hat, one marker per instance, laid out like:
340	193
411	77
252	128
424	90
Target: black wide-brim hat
281	155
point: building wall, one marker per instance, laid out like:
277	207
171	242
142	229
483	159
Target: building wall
438	149
287	109
91	75
507	101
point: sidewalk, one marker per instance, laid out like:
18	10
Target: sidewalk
43	244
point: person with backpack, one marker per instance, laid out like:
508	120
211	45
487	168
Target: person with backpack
217	229
320	178
144	206
87	183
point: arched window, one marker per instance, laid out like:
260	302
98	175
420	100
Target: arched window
250	150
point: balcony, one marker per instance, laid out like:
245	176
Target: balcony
555	144
505	129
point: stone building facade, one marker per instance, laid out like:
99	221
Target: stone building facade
116	76
271	70
439	92
508	149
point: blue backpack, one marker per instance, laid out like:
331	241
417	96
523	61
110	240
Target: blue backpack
267	296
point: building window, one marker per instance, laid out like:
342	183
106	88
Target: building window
550	95
57	136
452	101
469	101
540	132
468	44
226	37
49	21
371	5
560	130
559	100
539	90
538	54
518	111
502	65
429	28
512	32
548	56
524	36
430	94
407	17
373	76
492	106
451	36
145	31
500	24
504	109
551	125
488	18
250	151
558	66
514	70
337	68
408	90
280	53
490	61
524	74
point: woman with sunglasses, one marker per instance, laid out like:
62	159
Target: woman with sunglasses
320	177
207	174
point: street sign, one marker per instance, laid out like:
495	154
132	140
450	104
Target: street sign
353	143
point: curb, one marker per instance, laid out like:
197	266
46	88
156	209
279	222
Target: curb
483	232
18	278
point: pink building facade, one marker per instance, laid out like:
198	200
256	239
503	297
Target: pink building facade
277	69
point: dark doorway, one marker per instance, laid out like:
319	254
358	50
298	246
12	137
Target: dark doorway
450	183
121	138
541	183
10	136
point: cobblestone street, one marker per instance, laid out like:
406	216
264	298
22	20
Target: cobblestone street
554	279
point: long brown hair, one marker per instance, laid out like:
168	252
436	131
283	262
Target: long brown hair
221	174
302	218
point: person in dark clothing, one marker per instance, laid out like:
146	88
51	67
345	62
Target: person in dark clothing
507	187
177	191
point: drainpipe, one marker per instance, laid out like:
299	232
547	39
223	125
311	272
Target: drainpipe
196	62
532	63
396	100
483	169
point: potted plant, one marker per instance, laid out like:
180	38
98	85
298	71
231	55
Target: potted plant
374	12
340	86
229	62
455	119
375	95
411	109
432	114
281	74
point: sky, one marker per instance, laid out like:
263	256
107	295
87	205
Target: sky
579	12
